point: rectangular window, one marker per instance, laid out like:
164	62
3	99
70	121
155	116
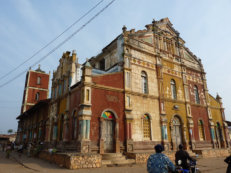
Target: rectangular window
60	89
128	101
64	85
39	80
102	64
128	79
88	95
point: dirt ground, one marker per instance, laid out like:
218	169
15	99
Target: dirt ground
26	164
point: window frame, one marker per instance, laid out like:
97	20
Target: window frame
38	80
196	94
144	81
37	96
173	89
201	130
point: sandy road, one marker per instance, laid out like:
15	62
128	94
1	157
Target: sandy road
34	165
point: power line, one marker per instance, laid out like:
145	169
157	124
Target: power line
36	53
59	45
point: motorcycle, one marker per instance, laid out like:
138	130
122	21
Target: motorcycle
192	164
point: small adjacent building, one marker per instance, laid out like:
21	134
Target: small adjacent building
36	88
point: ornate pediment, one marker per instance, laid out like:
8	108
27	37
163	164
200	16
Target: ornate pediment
166	26
188	56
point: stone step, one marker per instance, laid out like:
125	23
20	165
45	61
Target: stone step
108	156
124	162
108	163
117	159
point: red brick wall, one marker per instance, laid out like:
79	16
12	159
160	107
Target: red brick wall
112	80
44	80
100	102
200	113
105	99
32	93
75	99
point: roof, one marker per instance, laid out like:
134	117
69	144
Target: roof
39	70
34	108
228	123
7	136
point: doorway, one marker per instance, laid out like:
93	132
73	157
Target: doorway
108	131
177	131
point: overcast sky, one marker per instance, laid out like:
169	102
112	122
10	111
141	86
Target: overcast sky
26	26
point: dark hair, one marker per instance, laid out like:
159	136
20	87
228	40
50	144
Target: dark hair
159	148
181	146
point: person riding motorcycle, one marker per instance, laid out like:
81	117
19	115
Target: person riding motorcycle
184	157
159	163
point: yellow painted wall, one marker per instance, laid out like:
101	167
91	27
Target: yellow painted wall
170	112
215	110
62	107
171	71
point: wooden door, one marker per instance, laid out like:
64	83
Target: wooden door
109	136
177	131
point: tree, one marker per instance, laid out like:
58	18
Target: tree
10	131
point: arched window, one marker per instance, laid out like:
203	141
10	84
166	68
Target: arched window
173	89
38	80
146	127
144	82
37	96
201	130
196	93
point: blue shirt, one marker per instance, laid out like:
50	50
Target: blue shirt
159	163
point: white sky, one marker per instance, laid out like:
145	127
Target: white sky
26	26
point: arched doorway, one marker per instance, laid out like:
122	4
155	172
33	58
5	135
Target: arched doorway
176	131
108	131
219	135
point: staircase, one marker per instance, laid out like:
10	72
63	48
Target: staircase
115	159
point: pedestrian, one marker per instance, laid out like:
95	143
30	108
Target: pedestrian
228	161
29	149
159	163
8	151
3	147
20	150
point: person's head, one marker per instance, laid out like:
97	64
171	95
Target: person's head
181	147
158	148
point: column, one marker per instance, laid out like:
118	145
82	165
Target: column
212	133
117	146
164	133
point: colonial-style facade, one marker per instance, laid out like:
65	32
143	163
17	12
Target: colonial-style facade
144	88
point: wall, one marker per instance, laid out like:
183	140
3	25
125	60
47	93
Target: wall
104	98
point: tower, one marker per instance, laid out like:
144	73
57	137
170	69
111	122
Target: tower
36	88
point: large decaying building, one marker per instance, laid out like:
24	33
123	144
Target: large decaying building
144	88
